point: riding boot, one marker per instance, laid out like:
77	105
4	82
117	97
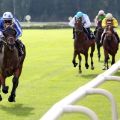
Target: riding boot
86	31
19	47
95	31
73	33
102	38
116	35
91	35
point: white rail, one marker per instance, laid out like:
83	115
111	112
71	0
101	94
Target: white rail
56	111
84	110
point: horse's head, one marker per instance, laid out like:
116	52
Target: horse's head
9	37
78	25
109	32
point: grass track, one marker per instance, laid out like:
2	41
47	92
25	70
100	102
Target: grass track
48	76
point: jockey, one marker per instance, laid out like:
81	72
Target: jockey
8	20
109	20
98	19
86	22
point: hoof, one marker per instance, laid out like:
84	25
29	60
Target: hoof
75	64
5	89
87	66
11	99
0	98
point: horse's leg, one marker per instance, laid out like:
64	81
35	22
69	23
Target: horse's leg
15	81
98	48
113	59
74	59
86	60
0	92
4	87
79	57
91	55
106	60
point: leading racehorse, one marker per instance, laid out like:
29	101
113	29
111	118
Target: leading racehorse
10	62
81	45
110	46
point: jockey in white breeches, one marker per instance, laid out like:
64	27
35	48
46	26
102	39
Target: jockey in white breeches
86	22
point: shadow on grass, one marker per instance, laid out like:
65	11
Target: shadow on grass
17	109
89	75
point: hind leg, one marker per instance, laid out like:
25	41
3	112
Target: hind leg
113	59
98	49
74	59
79	57
15	81
91	56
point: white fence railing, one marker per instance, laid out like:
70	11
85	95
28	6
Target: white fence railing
66	104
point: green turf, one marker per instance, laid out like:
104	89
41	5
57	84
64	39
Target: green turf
48	76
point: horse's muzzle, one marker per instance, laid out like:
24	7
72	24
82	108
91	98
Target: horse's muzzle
11	47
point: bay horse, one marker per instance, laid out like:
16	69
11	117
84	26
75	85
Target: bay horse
10	62
98	34
81	46
110	46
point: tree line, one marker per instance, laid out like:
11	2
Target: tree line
58	10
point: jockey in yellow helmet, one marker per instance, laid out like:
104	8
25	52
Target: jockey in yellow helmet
109	20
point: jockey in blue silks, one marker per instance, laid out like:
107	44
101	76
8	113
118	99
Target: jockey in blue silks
86	24
8	20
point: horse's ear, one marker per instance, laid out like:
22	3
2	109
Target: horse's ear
75	19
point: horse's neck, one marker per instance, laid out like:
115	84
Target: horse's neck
10	54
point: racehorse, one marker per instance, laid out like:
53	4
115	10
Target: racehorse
10	62
81	45
110	46
98	34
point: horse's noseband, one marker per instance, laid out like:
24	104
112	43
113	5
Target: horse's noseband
78	26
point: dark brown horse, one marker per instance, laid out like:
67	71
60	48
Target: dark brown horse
110	46
98	34
10	62
81	45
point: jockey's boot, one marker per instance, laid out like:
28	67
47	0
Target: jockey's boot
19	47
95	31
73	33
102	38
86	31
116	35
90	34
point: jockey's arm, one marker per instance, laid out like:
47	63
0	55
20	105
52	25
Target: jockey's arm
72	22
17	28
115	23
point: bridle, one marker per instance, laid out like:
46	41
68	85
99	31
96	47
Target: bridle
78	25
9	38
